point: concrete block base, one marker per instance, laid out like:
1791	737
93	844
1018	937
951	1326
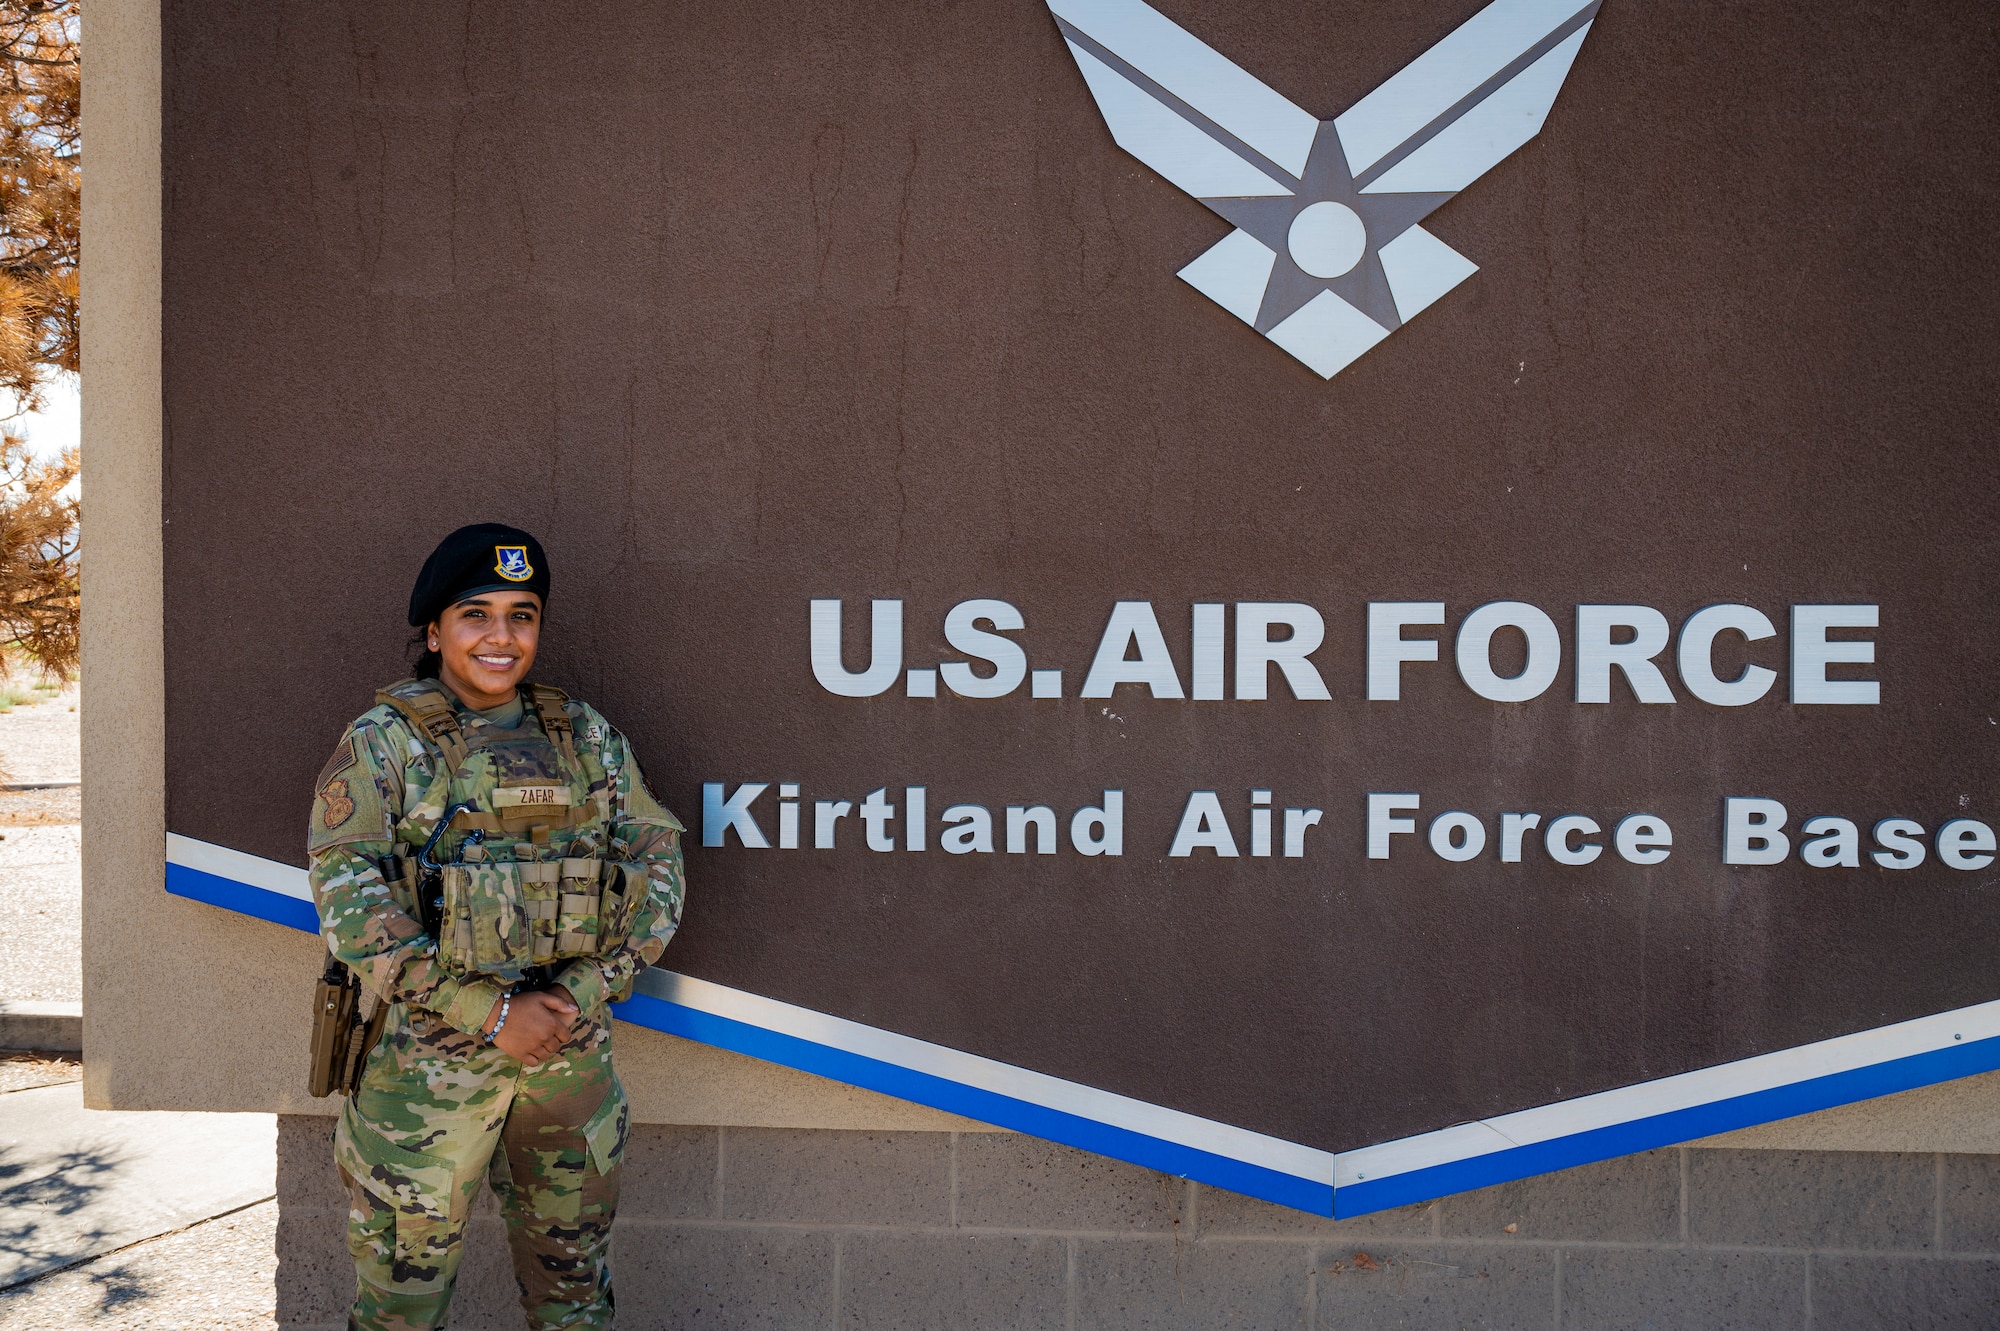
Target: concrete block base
728	1227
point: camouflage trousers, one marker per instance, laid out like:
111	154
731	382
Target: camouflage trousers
436	1111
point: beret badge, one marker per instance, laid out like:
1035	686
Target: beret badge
511	563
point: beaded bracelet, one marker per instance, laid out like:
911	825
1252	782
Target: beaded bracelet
506	1001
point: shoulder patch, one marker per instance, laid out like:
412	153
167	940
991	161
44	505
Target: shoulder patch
348	804
337	806
343	758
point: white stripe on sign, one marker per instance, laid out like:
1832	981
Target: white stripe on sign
255	870
986	1074
1687	1090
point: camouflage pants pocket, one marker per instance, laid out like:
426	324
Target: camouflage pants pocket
561	1192
605	1132
408	1237
570	1162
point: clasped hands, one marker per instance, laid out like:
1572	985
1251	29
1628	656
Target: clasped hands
538	1024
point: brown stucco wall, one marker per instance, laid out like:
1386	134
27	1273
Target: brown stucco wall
741	307
190	1007
187	1006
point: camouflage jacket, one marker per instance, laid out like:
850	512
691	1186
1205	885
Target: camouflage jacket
381	796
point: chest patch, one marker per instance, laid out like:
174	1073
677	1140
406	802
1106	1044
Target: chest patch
546	796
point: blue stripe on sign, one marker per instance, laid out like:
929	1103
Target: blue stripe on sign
1360	1197
854	1069
241	897
975	1103
1682	1125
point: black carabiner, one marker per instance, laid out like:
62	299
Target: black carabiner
430	901
424	860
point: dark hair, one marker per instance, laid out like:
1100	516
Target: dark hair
428	662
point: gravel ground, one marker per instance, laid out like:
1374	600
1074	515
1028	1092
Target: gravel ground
41	874
41	742
24	1072
220	1275
40	808
41	913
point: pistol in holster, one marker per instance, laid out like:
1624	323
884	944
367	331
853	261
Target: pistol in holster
341	1041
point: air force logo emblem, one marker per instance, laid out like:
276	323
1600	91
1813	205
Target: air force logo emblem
511	562
1327	258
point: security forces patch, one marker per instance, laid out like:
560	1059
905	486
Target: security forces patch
339	807
511	563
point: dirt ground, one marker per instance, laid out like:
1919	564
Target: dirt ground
219	1275
39	742
41	912
40	808
24	1072
41	898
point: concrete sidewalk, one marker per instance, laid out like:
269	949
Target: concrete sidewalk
112	1220
220	1275
76	1183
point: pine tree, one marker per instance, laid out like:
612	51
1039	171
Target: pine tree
41	169
38	558
41	179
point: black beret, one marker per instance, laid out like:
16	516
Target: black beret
485	557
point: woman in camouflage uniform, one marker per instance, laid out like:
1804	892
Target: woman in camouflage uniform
486	857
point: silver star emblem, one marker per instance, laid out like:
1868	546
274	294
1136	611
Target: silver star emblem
1327	258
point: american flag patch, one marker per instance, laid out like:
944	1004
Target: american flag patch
343	758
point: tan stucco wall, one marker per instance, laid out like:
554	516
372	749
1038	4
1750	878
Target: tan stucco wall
190	1007
124	807
1954	1116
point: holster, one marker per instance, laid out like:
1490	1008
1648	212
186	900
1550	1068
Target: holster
341	1042
335	999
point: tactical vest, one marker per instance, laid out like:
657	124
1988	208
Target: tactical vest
525	875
